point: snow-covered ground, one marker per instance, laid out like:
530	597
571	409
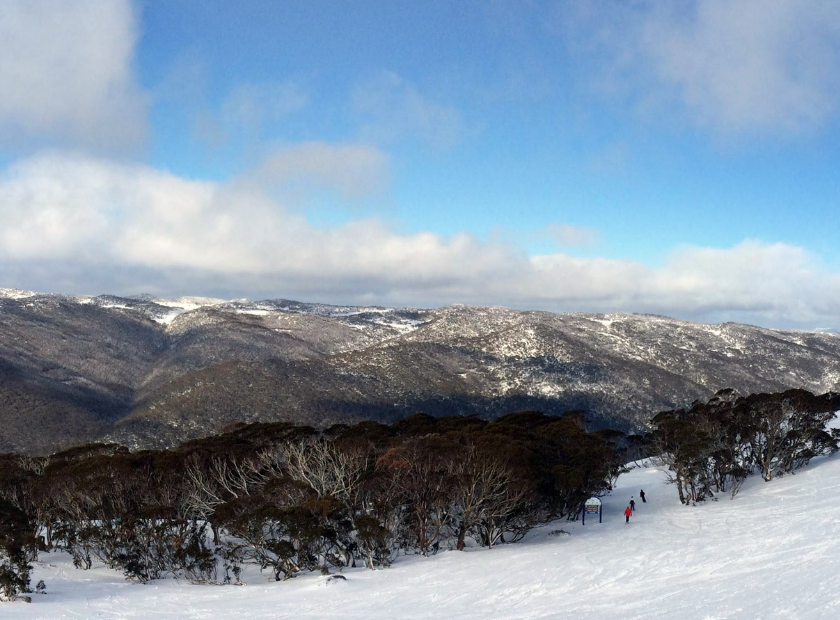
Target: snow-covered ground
773	552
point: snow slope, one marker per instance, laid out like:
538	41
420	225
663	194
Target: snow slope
773	552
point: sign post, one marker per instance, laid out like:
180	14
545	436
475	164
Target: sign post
592	507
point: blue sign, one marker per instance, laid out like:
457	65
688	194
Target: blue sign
592	507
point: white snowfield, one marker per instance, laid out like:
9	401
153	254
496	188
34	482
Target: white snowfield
773	552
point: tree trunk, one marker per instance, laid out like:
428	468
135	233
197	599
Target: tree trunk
462	533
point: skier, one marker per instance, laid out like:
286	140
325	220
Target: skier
632	505
642	495
627	513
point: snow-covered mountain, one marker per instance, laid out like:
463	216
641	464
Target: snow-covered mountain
150	371
771	553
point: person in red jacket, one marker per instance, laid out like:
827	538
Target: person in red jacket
627	513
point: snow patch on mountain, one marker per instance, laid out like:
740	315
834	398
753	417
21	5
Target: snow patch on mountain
15	293
385	362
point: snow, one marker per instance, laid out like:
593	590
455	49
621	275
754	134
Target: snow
772	552
15	293
403	326
189	303
167	318
182	305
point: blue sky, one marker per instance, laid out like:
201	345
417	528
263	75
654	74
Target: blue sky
532	141
595	156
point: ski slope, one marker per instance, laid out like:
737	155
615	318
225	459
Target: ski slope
773	552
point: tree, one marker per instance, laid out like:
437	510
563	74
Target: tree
17	549
419	469
486	488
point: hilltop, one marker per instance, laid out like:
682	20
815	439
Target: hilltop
153	372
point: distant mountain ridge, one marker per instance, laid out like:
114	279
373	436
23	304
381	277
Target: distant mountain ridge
152	372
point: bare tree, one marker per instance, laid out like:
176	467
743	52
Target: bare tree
485	489
329	470
421	475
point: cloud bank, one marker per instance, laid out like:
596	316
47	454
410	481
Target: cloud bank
79	224
66	74
74	222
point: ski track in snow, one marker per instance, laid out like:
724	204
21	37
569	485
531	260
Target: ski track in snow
773	552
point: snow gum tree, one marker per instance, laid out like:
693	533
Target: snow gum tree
785	431
422	470
17	549
292	499
712	447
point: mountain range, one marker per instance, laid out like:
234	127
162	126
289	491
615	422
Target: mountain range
149	372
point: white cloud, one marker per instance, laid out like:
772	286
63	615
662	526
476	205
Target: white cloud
730	65
253	105
73	223
352	170
66	73
569	235
390	108
246	112
752	281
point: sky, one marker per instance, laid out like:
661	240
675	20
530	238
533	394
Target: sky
612	155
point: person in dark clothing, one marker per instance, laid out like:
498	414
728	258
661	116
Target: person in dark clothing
642	495
627	513
632	505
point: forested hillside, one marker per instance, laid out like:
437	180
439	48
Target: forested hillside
146	372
